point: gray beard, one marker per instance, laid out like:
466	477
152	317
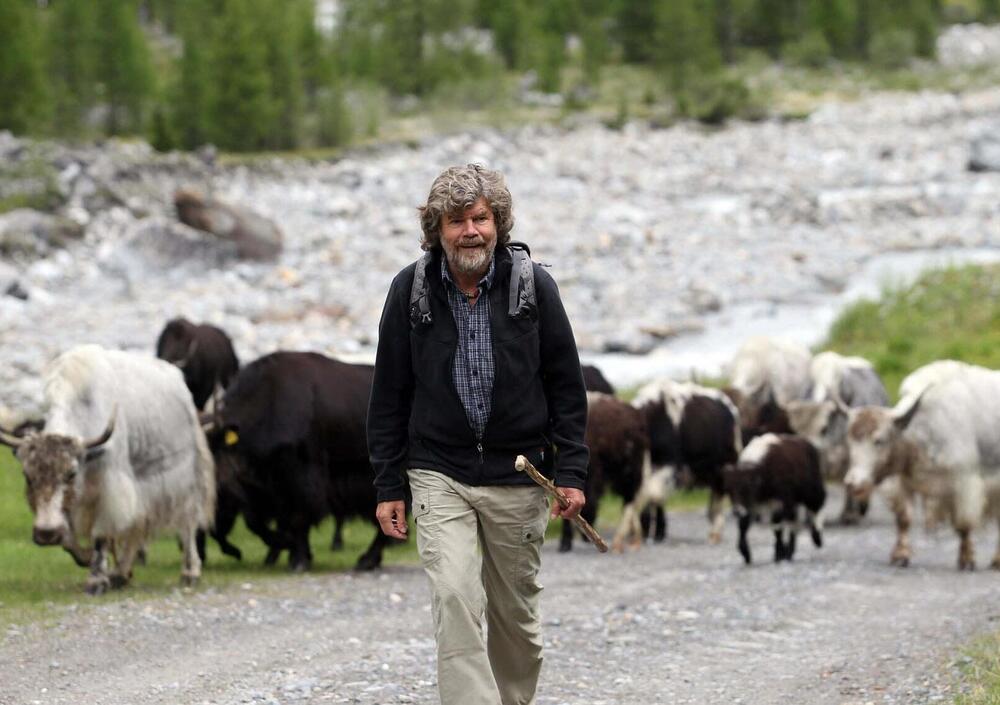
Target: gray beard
463	261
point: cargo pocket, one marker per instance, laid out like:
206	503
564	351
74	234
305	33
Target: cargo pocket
427	539
532	538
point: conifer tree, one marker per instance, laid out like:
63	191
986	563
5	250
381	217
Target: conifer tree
836	20
192	102
314	62
402	66
686	42
276	23
71	47
241	109
123	67
637	29
22	89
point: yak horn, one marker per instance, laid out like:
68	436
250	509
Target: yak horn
9	439
103	438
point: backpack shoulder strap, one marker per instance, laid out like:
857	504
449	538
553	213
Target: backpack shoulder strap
420	306
522	285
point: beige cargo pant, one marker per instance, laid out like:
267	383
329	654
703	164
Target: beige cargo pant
481	548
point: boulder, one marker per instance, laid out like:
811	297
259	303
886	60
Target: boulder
254	236
30	234
985	153
11	284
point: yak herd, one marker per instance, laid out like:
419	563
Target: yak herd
132	445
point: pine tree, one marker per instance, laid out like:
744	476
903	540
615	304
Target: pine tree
687	46
123	67
71	47
836	20
276	24
402	67
637	27
22	89
191	103
314	61
241	110
594	40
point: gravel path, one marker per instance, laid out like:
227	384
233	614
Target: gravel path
678	623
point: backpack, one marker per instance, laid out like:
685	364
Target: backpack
522	302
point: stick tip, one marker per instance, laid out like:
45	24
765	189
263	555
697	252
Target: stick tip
520	463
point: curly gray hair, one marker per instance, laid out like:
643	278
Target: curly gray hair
456	189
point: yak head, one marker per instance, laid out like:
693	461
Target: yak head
177	343
875	444
53	464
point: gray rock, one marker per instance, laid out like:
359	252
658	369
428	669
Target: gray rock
10	281
969	45
254	236
985	152
30	234
635	343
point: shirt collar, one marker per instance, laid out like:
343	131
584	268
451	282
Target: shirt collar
486	282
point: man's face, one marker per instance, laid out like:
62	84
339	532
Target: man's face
469	238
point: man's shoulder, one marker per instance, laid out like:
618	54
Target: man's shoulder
544	281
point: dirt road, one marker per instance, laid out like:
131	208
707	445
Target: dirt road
676	623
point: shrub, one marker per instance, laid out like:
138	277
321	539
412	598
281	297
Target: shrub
715	98
812	50
893	48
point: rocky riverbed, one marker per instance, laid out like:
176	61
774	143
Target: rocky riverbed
646	230
683	622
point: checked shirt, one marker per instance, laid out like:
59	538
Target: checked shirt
473	369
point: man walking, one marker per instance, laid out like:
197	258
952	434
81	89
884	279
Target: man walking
468	375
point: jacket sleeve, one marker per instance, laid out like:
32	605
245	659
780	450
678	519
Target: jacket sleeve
562	379
392	395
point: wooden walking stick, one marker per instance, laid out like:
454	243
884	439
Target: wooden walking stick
522	464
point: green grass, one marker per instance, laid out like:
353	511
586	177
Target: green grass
981	673
33	580
952	313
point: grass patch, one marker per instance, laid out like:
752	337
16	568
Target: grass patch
34	579
981	673
951	313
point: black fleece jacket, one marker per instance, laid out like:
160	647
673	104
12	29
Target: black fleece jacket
416	418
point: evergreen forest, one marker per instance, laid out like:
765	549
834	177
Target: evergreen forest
257	75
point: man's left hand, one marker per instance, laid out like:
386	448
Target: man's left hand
576	501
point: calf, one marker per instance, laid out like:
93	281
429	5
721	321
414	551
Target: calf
695	432
619	453
203	353
779	472
595	381
206	357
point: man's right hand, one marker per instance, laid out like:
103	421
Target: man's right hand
392	518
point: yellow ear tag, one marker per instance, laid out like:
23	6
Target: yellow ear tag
231	438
